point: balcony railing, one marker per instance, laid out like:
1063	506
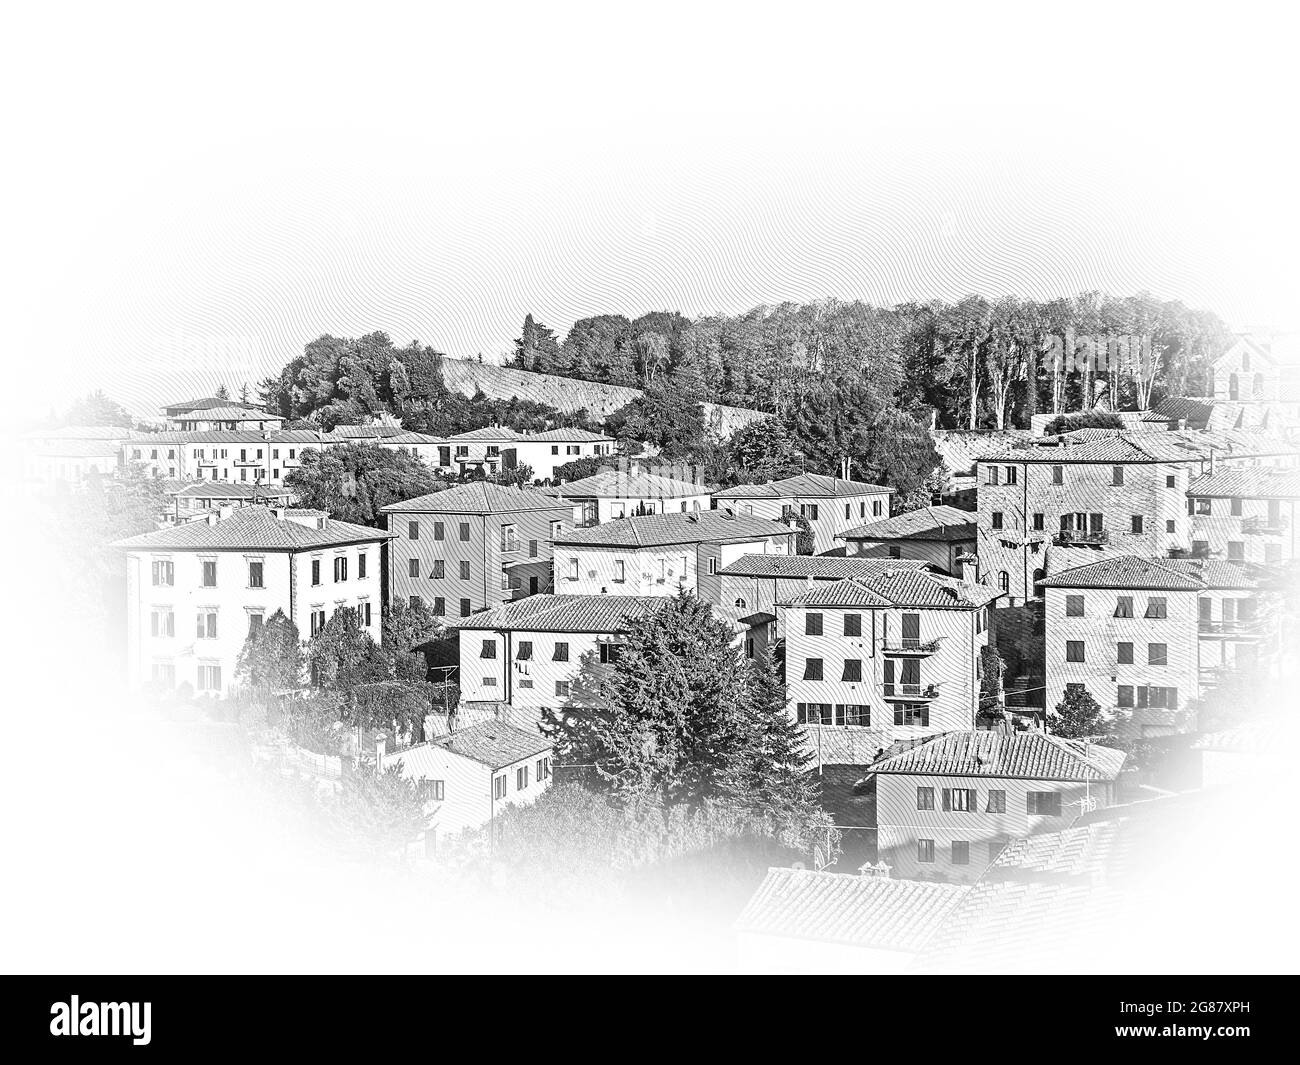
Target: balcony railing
1241	627
911	692
910	645
1068	537
1264	526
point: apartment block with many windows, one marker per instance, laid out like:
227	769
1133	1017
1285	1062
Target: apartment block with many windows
830	505
1245	515
622	493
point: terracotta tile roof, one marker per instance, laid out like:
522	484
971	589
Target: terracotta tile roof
928	523
1270	736
1119	447
252	528
692	527
859	911
573	436
616	484
804	486
818	567
898	587
1023	755
487	432
227	436
1157	574
222	490
479	497
1251	482
566	613
364	432
494	743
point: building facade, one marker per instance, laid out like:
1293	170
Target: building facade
830	505
941	536
1245	515
618	493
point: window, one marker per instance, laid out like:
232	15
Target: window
997	803
1236	551
925	851
1171	481
439	606
509	542
525	653
1117	475
412	530
560	653
1124	654
812	624
1058	475
925	798
895	551
489	649
858	714
363	610
341	568
1235	508
876	510
164	673
609	653
318	616
361	565
412	569
557	527
315	570
209	678
521	778
1074	606
620	571
813	713
162	622
852	669
1136	524
960	800
562	689
1004	581
1043	803
912	714
464	531
852	624
255	575
464	608
164	574
993	475
812	669
1011	475
1171	525
1157	607
960	852
543	769
499	787
439	569
532	548
573	569
1124	695
1200	549
1202	506
1124	606
713	566
1157	654
210	573
1074	650
1038	522
808	510
997	519
206	625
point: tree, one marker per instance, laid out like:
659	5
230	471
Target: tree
520	476
95	408
377	814
342	655
805	540
1086	419
1078	716
665	419
271	659
585	467
407	628
900	451
763	451
222	392
537	349
354	482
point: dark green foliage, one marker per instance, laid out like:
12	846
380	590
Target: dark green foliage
95	408
899	453
342	654
763	451
665	419
271	659
1085	419
586	467
354	482
1078	716
406	629
804	541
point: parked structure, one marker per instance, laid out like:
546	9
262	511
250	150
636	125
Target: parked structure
947	805
1245	515
195	590
830	505
939	535
473	546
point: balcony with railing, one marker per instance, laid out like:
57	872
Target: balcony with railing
1264	526
912	693
1239	627
1081	537
910	645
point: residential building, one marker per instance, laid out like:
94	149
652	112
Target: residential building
496	448
194	591
473	774
801	921
1145	636
195	499
1245	514
618	493
939	535
872	660
947	805
1098	488
1249	372
662	554
545	651
63	464
232	417
181	408
234	457
473	546
421	445
830	505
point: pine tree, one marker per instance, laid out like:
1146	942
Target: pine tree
1078	715
771	771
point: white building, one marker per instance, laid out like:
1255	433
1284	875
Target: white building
830	505
662	554
939	535
195	590
234	418
1245	515
240	457
495	449
613	494
475	773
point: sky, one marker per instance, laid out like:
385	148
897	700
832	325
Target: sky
195	194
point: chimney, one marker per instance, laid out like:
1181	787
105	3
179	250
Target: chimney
225	511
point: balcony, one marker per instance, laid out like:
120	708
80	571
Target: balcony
1241	627
1081	538
912	693
1264	526
911	646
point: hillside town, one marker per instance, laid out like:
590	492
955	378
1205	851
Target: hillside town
919	689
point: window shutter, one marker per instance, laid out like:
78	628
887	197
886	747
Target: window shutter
947	799
972	801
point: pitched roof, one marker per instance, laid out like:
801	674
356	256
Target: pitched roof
365	432
229	414
859	911
571	435
1156	574
488	432
804	486
1248	482
630	485
493	743
818	567
227	436
223	490
1120	447
692	527
252	528
477	497
205	403
566	613
928	523
1023	755
898	587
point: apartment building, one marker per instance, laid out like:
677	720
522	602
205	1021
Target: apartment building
234	457
662	554
64	464
231	417
420	445
941	536
1245	515
1145	636
1124	491
618	493
947	805
894	656
194	591
545	651
473	774
473	546
496	448
830	505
